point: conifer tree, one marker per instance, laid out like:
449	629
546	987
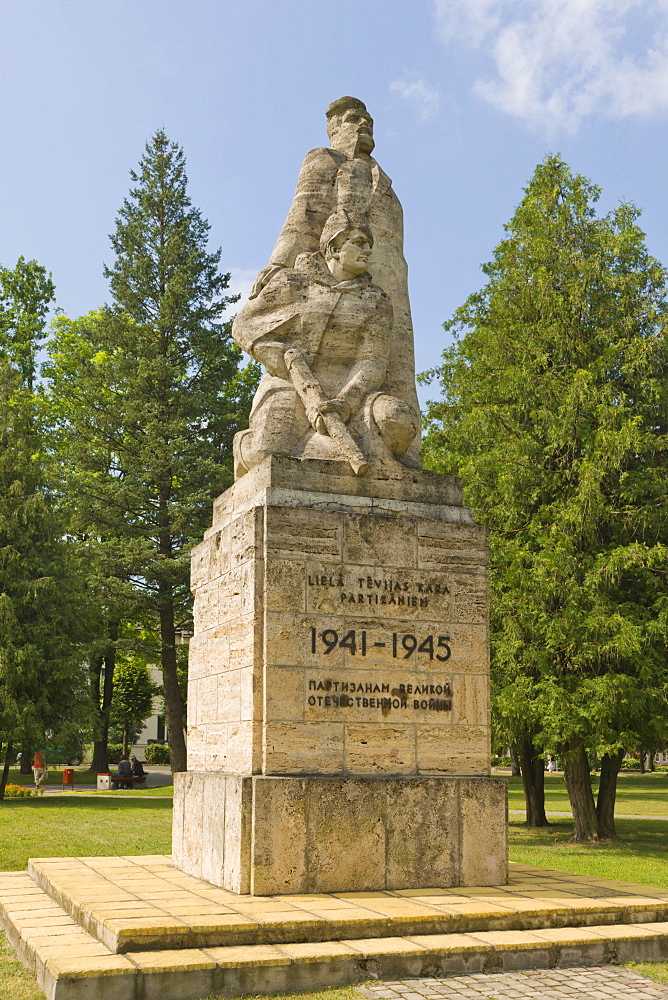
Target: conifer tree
150	394
555	413
26	292
41	626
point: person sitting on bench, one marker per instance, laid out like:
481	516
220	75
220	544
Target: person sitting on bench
138	771
124	772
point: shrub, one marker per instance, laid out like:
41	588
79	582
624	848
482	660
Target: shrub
18	792
500	760
115	752
157	753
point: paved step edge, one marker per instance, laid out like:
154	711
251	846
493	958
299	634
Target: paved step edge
72	965
320	929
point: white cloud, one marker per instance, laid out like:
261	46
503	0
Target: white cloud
470	20
425	98
558	62
241	282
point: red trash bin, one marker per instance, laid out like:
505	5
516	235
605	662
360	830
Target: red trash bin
68	777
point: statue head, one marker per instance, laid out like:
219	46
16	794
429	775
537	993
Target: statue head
350	126
346	245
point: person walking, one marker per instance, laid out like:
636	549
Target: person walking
39	769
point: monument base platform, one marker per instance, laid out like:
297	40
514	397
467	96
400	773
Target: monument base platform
270	835
137	928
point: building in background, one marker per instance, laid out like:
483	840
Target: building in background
155	730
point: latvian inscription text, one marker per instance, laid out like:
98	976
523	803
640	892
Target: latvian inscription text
375	590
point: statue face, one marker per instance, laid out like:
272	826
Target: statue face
353	255
352	132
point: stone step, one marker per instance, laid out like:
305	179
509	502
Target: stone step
71	964
145	903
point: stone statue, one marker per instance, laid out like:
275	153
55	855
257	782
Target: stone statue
322	330
349	390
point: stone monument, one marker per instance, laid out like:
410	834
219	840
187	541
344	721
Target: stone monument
338	705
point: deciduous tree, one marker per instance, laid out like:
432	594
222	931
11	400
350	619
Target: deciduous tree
132	704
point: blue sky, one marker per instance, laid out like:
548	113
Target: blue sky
467	96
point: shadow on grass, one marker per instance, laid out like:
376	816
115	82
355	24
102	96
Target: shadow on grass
638	855
648	835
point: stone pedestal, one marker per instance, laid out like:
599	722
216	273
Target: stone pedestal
338	704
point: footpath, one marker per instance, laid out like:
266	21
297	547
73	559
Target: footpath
159	776
604	982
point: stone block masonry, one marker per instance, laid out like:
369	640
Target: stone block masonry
341	632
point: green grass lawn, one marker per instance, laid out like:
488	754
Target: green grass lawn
16	983
108	825
82	776
639	855
655	970
161	790
82	825
642	794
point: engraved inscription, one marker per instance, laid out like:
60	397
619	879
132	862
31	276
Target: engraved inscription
403	645
371	590
411	695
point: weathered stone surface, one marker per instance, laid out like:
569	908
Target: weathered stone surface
374	749
483	806
423	835
328	482
314	834
463	750
346	835
279	862
303	748
341	643
331	327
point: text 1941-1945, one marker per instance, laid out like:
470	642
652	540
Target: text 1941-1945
403	645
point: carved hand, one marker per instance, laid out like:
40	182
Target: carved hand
271	355
265	275
331	406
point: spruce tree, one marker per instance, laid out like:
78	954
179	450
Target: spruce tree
150	394
26	293
555	413
41	625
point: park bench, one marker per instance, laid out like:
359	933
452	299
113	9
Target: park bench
116	779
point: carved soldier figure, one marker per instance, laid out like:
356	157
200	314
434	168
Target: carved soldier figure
322	330
346	178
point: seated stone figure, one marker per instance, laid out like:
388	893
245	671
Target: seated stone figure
322	331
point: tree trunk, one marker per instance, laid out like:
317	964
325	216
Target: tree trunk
607	793
533	779
515	770
102	701
26	755
651	766
578	785
5	770
170	683
125	741
641	756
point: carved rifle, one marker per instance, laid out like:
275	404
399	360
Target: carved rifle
312	396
